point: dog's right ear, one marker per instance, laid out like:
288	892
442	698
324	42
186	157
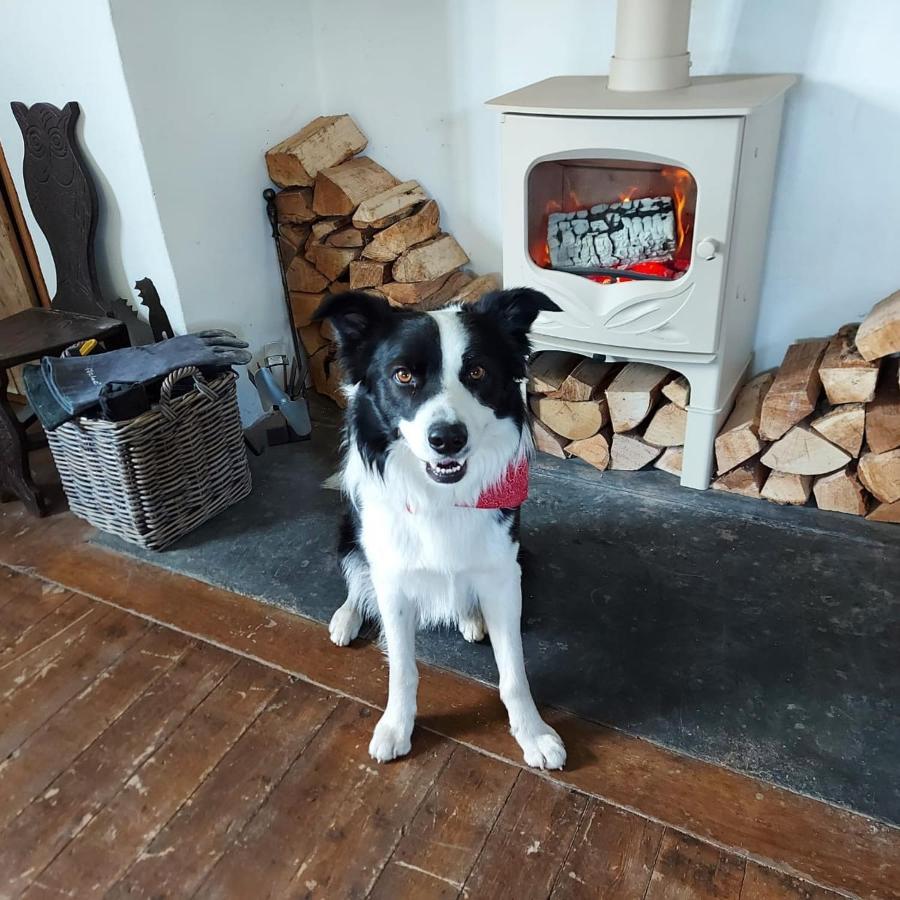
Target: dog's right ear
355	316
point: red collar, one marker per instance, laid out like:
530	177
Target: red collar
508	493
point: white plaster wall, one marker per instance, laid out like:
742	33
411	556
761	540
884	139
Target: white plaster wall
57	51
214	83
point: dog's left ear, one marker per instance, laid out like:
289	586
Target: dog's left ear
356	318
515	309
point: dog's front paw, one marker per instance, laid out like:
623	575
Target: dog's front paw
345	624
471	627
542	748
390	740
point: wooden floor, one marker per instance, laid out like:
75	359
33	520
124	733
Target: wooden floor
160	737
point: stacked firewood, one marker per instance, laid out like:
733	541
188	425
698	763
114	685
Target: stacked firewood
346	223
825	425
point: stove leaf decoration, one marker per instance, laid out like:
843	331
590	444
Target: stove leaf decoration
159	321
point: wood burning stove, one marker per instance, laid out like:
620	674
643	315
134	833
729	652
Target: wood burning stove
643	210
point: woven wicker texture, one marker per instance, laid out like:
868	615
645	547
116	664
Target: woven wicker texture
158	476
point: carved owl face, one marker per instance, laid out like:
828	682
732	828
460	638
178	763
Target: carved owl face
47	132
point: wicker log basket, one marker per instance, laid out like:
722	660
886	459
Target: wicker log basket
152	479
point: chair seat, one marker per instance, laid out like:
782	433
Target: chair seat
37	332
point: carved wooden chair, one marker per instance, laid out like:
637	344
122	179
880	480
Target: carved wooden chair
64	202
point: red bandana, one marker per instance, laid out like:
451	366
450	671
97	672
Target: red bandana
511	491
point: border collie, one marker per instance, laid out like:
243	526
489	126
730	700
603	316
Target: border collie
434	469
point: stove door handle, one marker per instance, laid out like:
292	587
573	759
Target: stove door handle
708	248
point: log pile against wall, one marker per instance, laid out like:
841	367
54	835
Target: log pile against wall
346	223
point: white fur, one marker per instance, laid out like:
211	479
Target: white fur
432	558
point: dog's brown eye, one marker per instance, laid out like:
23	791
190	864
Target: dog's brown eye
403	376
476	373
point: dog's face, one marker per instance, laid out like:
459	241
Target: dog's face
444	386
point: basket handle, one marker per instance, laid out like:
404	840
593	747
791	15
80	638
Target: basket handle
168	385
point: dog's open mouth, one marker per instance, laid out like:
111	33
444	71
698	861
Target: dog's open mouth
448	471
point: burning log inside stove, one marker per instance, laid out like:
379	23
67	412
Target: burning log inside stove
611	235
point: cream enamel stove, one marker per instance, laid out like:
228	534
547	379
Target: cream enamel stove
648	172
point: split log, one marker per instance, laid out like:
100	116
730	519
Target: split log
841	492
574	421
630	452
880	474
588	380
883	413
879	333
844	426
667	427
345	237
746	479
303	276
613	234
387	245
312	338
476	289
320	229
803	451
294	207
671	461
403	294
340	189
795	391
456	282
332	262
678	391
885	512
389	206
326	375
327	330
548	371
846	376
291	238
424	262
632	393
787	489
593	450
324	142
366	273
303	305
739	438
546	440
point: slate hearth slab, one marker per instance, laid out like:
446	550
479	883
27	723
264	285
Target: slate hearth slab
760	638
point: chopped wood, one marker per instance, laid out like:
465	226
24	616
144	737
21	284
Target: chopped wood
746	479
340	189
546	440
588	380
476	289
678	391
840	492
883	413
424	262
630	452
345	237
292	238
327	330
312	338
387	245
667	427
885	512
844	426
880	474
303	276
294	206
321	228
787	489
593	450
846	376
739	438
574	421
367	273
671	461
632	393
332	262
389	206
303	305
795	391
402	294
548	371
326	375
324	142
456	282
803	451
338	287
879	333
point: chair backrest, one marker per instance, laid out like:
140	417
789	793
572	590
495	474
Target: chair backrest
63	199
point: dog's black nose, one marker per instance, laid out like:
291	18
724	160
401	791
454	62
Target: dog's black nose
448	437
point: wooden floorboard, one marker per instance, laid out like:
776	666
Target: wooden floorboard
687	869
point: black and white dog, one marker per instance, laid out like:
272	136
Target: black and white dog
435	457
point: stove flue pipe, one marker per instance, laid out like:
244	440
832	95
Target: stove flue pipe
651	45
